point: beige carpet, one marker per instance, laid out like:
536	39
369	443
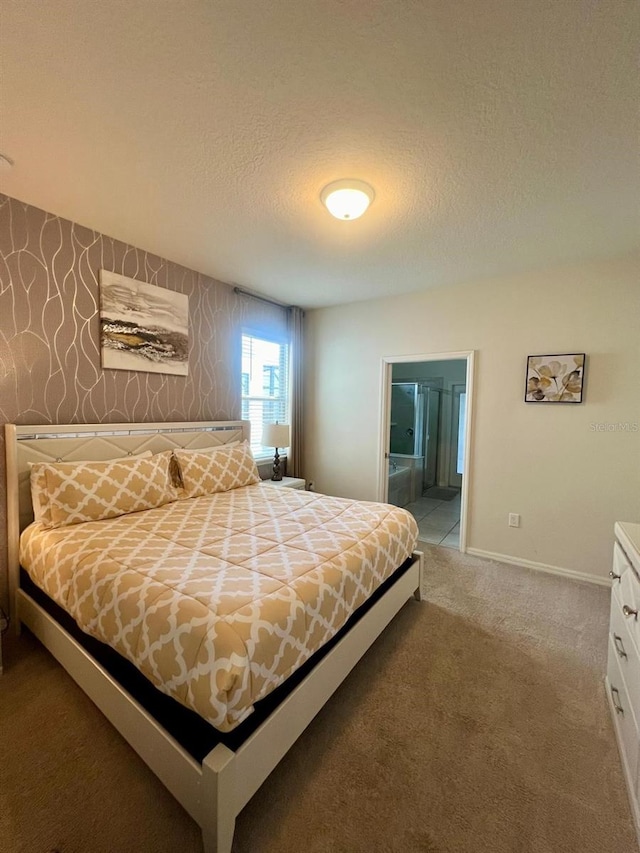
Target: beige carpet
476	724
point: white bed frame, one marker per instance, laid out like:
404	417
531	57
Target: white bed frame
214	792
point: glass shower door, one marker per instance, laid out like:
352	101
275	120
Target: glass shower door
432	422
404	411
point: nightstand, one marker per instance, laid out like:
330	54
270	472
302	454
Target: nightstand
287	483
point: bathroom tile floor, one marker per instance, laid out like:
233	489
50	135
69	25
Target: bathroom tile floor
438	521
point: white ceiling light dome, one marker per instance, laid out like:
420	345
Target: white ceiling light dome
348	198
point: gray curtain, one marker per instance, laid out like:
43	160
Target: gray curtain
296	337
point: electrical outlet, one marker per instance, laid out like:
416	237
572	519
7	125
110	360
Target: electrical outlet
514	519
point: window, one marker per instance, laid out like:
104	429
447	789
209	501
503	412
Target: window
265	386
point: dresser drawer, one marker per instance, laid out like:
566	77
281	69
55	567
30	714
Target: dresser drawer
627	653
627	594
628	737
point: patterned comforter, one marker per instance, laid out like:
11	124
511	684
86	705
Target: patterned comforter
218	599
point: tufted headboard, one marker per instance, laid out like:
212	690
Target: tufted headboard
85	442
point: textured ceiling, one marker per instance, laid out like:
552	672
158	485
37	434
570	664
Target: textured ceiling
500	135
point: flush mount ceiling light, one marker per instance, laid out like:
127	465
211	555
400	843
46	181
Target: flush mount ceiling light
347	199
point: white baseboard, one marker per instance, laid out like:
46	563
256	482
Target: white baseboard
540	567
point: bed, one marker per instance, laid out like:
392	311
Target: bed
212	732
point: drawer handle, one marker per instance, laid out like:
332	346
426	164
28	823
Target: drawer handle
614	576
616	700
617	641
629	611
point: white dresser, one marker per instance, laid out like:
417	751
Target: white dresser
623	663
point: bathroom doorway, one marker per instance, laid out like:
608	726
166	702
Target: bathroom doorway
425	440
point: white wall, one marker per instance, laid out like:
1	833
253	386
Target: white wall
568	481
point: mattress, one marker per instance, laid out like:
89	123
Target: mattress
218	599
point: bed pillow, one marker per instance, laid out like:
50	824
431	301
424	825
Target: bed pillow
73	492
176	473
38	485
217	469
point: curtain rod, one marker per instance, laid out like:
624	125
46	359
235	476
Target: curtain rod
260	298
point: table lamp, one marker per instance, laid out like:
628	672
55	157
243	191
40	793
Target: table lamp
276	435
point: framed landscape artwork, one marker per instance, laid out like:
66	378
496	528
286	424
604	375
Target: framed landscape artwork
555	378
143	327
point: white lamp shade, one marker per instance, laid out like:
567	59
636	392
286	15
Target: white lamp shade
347	199
275	435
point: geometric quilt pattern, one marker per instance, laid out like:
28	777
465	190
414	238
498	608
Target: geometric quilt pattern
218	599
217	469
73	492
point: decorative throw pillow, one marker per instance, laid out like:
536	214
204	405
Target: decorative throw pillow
38	483
217	469
90	491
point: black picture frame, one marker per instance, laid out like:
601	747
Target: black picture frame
555	378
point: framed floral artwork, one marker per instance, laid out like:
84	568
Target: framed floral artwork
555	378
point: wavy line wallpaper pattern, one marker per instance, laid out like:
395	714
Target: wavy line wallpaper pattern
49	334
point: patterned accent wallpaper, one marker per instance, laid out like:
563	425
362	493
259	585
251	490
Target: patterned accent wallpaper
49	334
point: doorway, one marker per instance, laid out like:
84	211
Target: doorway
425	437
